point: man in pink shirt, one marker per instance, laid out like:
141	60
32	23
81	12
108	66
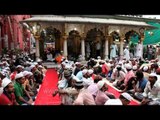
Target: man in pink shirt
101	96
84	96
128	75
93	88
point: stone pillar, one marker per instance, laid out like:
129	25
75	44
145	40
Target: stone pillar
106	48
6	43
141	33
37	38
141	41
83	47
121	47
65	51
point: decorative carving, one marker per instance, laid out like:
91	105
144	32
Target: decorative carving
142	38
94	34
58	26
37	37
51	34
122	38
89	27
65	36
141	30
76	27
113	28
126	29
108	37
83	36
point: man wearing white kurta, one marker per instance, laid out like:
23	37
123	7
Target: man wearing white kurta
113	48
126	53
139	50
124	99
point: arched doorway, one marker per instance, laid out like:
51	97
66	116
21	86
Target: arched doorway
74	45
94	37
50	42
132	36
131	39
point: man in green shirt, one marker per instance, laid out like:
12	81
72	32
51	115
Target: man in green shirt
20	92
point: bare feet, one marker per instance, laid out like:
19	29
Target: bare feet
55	93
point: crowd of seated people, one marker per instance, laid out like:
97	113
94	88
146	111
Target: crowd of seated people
20	79
87	84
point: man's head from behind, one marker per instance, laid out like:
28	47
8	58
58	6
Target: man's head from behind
125	98
67	74
139	75
102	86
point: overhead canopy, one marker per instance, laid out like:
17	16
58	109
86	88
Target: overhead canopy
55	18
151	36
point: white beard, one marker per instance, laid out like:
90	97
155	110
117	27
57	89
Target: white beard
1	90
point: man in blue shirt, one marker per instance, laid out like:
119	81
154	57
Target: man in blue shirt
141	84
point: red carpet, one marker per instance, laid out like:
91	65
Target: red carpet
44	96
117	94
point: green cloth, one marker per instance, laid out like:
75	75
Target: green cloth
150	39
19	91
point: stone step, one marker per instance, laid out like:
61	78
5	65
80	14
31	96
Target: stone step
50	64
55	65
